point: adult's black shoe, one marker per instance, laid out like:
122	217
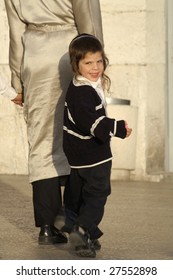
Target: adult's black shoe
49	234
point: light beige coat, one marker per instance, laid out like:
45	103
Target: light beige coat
40	32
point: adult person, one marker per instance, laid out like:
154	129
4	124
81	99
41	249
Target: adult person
40	32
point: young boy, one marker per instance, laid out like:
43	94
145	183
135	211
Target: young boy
87	135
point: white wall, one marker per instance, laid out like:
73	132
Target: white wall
134	35
135	42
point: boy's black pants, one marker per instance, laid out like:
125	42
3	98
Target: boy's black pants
86	194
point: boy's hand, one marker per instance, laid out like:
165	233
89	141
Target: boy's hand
129	130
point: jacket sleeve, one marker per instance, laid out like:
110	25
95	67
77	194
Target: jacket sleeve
88	19
121	129
16	30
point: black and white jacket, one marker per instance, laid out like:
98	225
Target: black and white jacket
87	129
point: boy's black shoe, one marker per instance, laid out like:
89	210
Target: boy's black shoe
96	244
85	251
79	238
49	234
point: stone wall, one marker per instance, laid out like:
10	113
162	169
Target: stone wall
134	36
134	33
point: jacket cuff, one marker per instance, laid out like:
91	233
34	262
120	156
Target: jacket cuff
121	129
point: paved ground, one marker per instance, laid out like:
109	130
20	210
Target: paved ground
138	223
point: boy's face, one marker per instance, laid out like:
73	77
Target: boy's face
91	66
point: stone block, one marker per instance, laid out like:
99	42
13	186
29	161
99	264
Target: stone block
124	150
